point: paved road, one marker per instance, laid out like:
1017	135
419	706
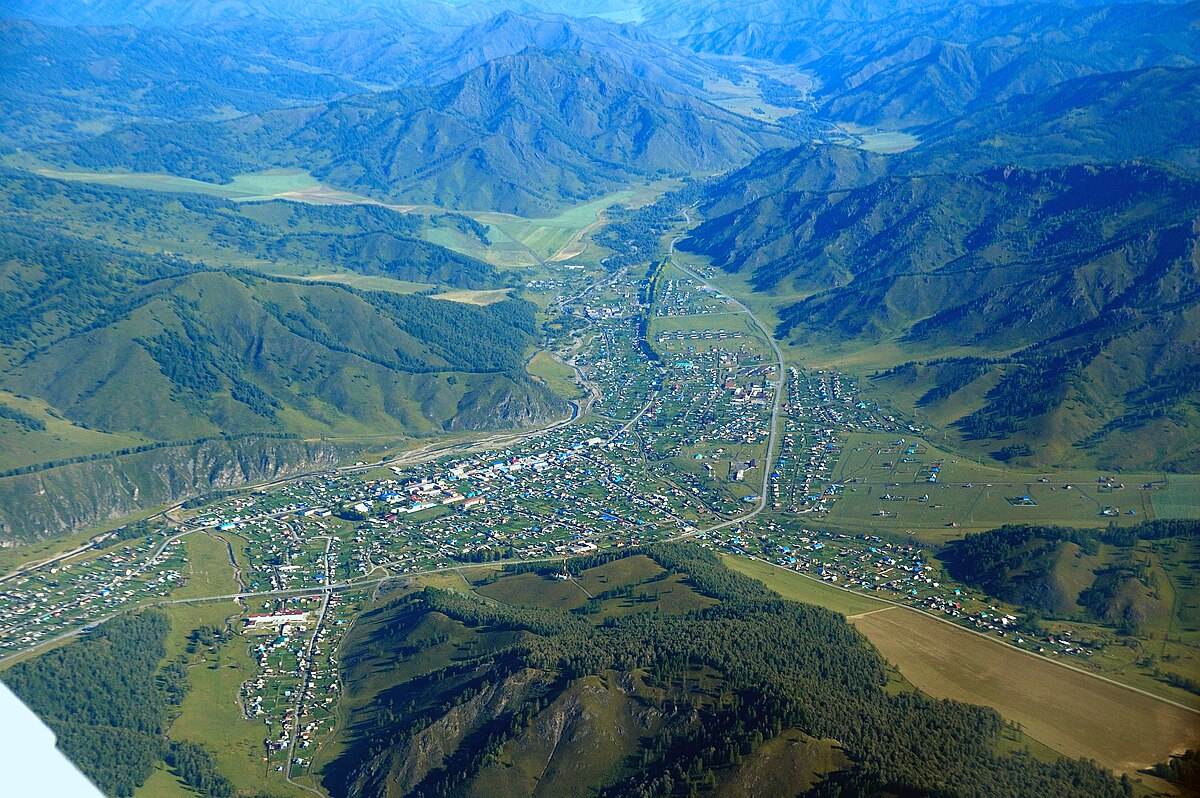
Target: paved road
776	404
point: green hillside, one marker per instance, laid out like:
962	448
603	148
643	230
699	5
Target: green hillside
526	134
1113	577
680	677
1148	114
215	353
277	236
1010	293
132	380
63	81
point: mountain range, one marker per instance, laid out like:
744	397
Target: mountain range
1015	291
578	124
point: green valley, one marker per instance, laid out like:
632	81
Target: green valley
689	398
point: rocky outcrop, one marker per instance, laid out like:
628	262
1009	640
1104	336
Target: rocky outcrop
75	497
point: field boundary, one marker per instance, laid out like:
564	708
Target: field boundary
898	605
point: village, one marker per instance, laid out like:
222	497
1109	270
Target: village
685	439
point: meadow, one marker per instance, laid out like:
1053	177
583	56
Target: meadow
252	186
557	376
24	445
546	238
796	587
973	495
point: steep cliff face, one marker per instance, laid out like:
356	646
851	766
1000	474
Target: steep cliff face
74	497
504	403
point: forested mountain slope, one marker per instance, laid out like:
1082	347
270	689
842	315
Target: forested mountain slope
685	676
1052	277
525	134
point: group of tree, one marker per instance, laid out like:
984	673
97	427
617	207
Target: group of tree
779	665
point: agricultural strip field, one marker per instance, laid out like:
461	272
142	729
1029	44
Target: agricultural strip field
1180	499
1076	715
795	587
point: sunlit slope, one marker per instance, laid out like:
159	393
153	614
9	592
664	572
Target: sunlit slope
525	134
1061	303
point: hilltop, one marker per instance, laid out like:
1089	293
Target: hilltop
679	674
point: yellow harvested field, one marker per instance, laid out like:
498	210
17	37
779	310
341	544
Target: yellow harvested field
1073	713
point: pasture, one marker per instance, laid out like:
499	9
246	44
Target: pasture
546	238
536	590
208	571
252	186
1180	498
1071	712
971	495
797	587
23	445
556	375
364	282
618	573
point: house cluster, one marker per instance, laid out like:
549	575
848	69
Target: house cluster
44	602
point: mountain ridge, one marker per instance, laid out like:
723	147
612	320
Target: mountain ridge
579	123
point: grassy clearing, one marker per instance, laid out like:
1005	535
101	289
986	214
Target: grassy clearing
212	715
15	557
364	282
252	186
881	141
618	573
796	587
784	765
541	762
557	376
671	595
745	99
208	570
535	589
20	446
1068	711
468	297
547	237
164	784
453	580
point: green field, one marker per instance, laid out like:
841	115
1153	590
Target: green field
208	571
558	376
212	715
467	297
1180	499
547	237
975	495
796	587
21	446
881	141
252	186
536	590
364	282
164	784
